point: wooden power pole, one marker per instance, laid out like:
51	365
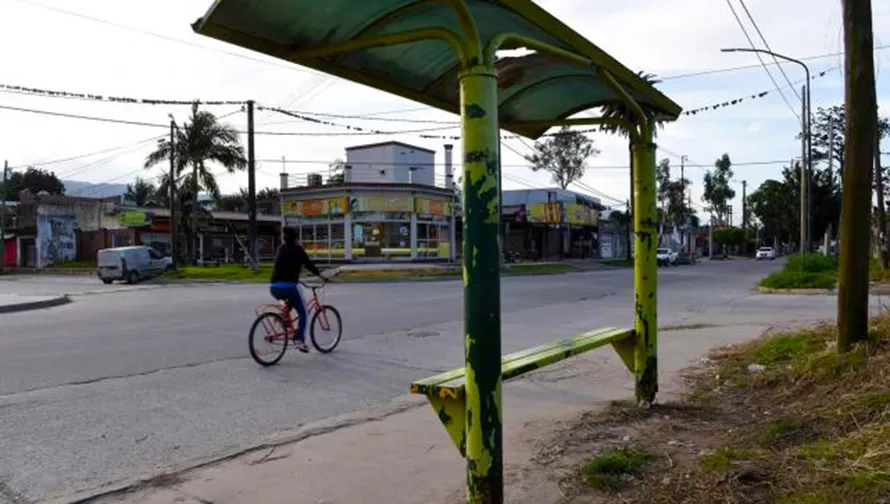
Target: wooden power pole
860	128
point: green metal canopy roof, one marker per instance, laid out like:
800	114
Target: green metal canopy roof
540	87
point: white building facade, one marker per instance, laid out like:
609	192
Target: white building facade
390	163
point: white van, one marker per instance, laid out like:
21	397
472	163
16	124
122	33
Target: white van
132	264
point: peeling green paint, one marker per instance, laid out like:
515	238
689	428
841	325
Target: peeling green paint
474	111
645	270
484	430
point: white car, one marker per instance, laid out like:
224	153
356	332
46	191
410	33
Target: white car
766	253
667	257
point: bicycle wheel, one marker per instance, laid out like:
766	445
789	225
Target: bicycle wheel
326	329
268	339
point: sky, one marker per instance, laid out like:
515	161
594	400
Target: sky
148	50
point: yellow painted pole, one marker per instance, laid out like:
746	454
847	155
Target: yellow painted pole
482	285
645	268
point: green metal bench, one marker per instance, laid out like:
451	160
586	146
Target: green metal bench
445	391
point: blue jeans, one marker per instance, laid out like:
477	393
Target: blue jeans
290	292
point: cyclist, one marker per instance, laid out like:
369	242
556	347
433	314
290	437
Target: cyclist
285	284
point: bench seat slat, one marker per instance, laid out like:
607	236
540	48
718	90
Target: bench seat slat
451	383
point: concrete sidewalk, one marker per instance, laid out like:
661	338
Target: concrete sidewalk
11	303
400	454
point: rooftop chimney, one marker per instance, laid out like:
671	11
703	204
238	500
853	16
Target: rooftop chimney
449	173
283	181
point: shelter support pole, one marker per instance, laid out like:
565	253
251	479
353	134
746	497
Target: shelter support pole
645	267
481	278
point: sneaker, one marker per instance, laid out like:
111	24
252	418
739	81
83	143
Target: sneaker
301	346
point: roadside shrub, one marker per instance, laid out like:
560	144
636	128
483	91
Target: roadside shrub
798	280
810	263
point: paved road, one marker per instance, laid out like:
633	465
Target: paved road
130	381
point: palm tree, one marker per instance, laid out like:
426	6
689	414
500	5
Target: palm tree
201	141
622	111
141	193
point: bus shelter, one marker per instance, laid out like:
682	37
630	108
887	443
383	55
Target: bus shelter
444	53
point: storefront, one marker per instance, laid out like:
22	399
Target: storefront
543	230
372	221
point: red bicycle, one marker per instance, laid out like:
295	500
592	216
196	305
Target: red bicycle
274	327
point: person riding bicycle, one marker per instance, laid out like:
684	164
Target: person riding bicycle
285	283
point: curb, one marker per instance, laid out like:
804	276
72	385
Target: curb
36	305
797	292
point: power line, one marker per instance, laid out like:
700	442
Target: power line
51	93
368	117
768	48
578	183
168	38
702	73
86	118
89	154
760	59
751	97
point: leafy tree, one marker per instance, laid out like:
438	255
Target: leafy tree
268	201
233	202
141	193
770	203
776	204
201	142
824	121
563	155
729	236
718	188
33	180
663	180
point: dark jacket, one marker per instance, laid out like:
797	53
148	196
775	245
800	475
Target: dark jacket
289	259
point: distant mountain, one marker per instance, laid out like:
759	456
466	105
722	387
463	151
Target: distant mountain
90	190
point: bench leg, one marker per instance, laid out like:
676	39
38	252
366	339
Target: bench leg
645	268
626	348
451	413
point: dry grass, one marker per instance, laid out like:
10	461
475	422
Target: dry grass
783	419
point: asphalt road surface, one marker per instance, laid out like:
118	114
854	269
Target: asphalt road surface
132	381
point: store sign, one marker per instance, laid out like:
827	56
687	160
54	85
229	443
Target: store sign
133	218
544	213
580	215
386	204
314	207
425	206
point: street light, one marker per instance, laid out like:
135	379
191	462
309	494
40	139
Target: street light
806	126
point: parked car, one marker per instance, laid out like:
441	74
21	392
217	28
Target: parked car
667	257
766	253
132	264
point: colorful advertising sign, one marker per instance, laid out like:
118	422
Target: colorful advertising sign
543	213
314	207
580	215
426	206
386	204
132	218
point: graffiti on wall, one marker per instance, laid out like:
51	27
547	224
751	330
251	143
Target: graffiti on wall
56	240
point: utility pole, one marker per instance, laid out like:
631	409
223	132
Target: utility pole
627	228
174	226
861	122
251	189
804	200
745	214
3	218
686	217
